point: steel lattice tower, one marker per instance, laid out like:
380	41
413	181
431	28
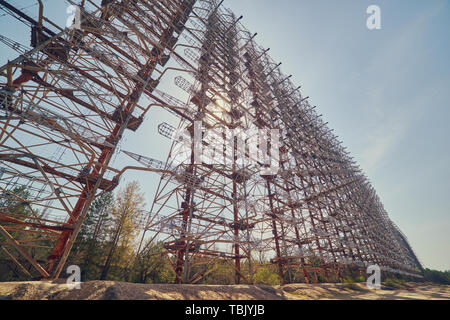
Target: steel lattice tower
74	95
66	104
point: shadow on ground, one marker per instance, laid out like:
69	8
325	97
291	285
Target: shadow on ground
110	290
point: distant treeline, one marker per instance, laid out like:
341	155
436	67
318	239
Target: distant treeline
436	276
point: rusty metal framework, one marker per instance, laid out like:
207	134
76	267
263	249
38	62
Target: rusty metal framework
66	103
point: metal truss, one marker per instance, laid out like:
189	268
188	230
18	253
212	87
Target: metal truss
66	103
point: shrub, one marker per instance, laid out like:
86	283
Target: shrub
265	276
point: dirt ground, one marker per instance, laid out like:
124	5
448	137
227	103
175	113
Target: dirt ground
110	290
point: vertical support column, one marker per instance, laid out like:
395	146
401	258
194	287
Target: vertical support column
275	231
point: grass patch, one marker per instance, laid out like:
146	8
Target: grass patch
393	284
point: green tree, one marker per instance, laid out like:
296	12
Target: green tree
88	250
125	212
16	203
151	265
222	272
265	275
442	277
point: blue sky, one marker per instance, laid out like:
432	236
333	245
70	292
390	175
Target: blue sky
386	93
